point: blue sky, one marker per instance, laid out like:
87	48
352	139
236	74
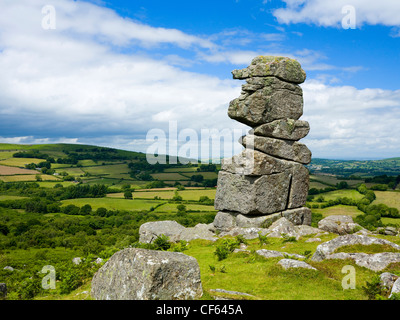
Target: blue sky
111	71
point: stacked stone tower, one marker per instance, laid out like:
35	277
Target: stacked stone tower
268	179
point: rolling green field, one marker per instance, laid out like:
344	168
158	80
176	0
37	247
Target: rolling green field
28	178
390	198
19	162
114	204
339	210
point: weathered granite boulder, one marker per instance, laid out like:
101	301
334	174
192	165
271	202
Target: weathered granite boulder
387	280
281	67
233	223
287	129
389	231
395	288
139	274
290	263
255	163
252	195
282	226
149	231
326	249
200	231
298	216
375	262
277	254
266	105
339	224
285	149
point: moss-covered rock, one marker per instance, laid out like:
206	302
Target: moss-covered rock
282	67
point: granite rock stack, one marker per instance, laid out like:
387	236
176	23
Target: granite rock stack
269	177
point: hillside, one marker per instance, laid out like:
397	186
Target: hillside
93	164
359	168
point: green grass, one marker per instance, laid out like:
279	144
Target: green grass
114	204
264	279
196	194
7	197
339	210
391	221
328	180
390	198
19	162
206	175
6	154
369	249
19	178
166	195
191	169
169	176
107	169
171	208
51	184
348	193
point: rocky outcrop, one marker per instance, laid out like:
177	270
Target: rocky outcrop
277	254
269	177
375	262
339	224
290	263
139	274
175	232
395	288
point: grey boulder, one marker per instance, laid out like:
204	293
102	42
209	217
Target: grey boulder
285	149
339	224
252	195
326	249
139	274
282	67
287	129
291	263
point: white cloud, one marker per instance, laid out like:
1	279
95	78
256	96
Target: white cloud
71	85
329	13
352	123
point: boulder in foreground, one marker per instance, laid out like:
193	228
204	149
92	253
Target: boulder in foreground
139	274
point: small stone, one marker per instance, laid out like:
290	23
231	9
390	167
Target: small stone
276	254
290	263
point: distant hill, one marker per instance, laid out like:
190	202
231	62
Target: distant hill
70	163
361	168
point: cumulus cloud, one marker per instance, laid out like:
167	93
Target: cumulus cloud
352	123
329	13
76	84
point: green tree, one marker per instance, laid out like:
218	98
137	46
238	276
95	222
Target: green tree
128	194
